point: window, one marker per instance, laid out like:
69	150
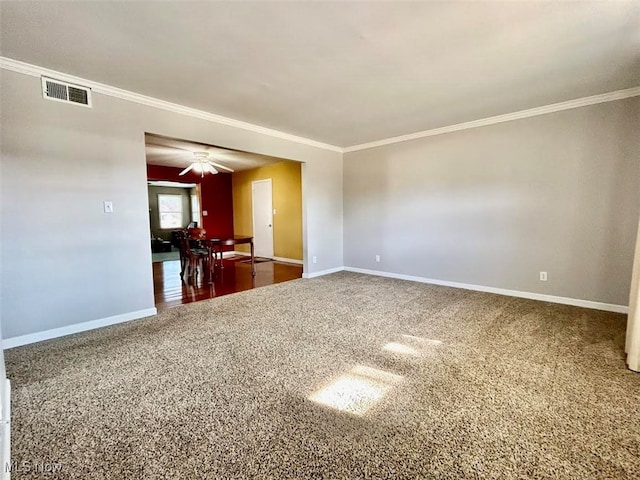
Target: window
170	209
195	209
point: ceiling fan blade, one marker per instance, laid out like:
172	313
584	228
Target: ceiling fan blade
209	168
186	169
220	166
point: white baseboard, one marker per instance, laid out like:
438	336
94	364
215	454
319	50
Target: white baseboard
288	260
75	328
609	307
322	272
277	259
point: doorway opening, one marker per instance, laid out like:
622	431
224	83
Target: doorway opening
190	198
172	205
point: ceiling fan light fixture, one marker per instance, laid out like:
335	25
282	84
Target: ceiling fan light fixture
202	164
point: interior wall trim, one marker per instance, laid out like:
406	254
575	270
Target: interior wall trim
609	307
13	342
288	260
101	88
36	71
322	272
507	117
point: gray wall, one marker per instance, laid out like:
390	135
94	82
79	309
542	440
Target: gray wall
66	262
496	205
154	215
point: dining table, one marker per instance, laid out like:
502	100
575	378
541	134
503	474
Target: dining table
216	245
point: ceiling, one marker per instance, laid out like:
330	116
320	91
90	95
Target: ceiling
170	152
342	73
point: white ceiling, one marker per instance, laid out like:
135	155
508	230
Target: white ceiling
342	73
171	152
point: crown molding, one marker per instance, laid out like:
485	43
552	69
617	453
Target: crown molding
532	112
36	71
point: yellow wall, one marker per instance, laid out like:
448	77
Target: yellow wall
286	181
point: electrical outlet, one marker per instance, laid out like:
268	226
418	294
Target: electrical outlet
108	207
543	276
314	259
377	258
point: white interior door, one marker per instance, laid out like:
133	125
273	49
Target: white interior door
262	218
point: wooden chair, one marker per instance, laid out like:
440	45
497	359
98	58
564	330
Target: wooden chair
190	256
197	233
198	239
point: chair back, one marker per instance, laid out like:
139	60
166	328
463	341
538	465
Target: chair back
186	248
183	243
197	233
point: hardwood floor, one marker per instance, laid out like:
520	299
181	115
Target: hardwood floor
170	290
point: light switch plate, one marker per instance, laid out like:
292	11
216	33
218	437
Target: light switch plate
108	207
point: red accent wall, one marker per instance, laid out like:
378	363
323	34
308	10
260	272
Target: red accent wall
217	198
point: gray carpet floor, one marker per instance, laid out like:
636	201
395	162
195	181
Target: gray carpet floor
340	377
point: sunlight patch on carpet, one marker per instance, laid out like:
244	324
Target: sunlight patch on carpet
422	340
412	346
401	348
357	391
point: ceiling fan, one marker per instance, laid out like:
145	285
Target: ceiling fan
202	165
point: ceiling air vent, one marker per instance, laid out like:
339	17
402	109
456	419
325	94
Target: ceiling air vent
65	92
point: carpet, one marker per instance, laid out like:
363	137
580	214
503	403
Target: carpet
345	376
